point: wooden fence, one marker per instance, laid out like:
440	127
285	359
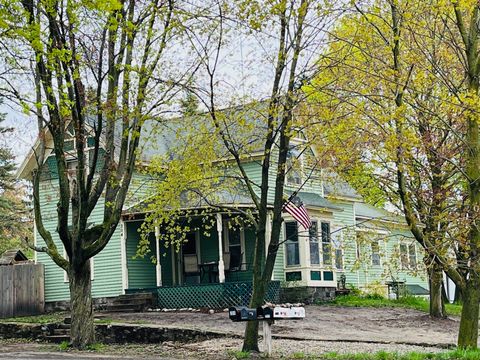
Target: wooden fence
21	290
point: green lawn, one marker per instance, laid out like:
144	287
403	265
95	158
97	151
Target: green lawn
381	355
409	302
39	319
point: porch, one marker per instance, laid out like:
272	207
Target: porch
208	255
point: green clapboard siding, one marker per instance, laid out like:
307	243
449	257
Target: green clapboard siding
141	270
107	264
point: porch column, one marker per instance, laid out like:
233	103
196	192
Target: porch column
158	268
268	234
221	265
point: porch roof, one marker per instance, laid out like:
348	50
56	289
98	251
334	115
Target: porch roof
311	199
222	198
234	199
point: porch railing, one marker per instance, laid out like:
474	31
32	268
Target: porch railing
213	296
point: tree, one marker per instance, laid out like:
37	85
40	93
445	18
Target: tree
100	70
399	80
15	217
295	26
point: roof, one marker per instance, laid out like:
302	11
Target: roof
11	257
335	186
222	197
232	198
367	211
414	289
310	199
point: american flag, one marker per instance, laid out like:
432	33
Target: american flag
295	207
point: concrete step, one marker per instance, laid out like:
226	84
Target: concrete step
57	339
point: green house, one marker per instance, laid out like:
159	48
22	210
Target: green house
349	242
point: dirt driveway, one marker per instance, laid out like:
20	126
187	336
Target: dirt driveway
327	323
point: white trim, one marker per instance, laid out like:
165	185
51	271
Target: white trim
373	230
158	267
221	264
123	254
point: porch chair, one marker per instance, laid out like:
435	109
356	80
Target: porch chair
226	260
190	266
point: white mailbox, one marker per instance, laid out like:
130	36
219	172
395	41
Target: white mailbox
293	312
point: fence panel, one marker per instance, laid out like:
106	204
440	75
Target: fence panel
21	290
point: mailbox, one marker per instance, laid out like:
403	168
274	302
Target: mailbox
264	313
294	312
242	313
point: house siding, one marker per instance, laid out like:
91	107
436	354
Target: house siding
107	264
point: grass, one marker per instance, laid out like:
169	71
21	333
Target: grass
38	319
383	355
49	318
410	302
239	354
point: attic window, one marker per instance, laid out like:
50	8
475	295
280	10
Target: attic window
294	166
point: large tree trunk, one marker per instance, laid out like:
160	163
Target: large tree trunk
437	305
82	328
468	333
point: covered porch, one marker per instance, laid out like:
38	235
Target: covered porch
217	254
212	267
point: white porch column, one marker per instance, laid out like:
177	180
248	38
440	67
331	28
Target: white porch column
268	234
221	265
158	268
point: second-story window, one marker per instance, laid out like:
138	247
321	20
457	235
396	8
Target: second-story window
294	166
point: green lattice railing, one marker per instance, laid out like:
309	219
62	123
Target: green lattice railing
213	296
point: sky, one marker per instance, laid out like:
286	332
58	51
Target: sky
245	70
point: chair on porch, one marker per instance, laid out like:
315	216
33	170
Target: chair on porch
226	260
190	267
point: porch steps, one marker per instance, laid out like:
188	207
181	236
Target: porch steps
132	303
62	331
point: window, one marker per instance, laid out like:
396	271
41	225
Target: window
234	245
337	245
404	256
189	246
326	244
291	237
375	253
412	256
408	256
293	166
314	245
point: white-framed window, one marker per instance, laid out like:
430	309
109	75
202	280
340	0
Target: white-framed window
291	243
234	245
294	165
375	248
408	256
337	244
92	267
326	243
314	244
